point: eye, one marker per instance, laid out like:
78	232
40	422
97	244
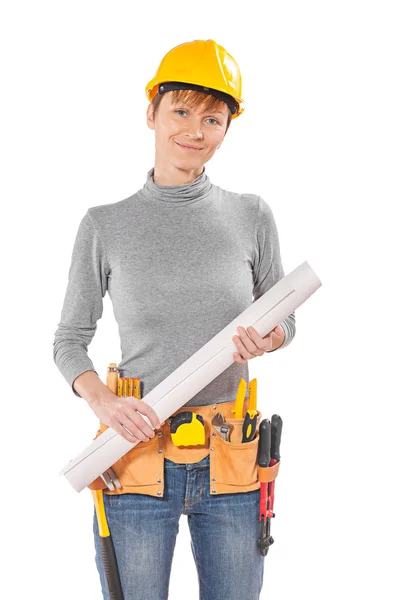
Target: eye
182	110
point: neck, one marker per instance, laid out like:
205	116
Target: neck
180	194
172	175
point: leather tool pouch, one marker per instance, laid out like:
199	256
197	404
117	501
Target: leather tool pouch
233	465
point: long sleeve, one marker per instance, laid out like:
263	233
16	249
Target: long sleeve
267	268
83	303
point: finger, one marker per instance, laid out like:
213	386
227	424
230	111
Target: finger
279	330
246	346
264	343
239	359
147	410
244	353
125	433
138	426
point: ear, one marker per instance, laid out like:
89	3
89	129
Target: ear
150	116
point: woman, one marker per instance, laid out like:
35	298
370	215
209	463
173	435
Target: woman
180	259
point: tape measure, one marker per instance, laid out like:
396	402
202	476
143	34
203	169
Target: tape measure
187	429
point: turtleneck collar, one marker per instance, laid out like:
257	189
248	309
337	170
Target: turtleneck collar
178	195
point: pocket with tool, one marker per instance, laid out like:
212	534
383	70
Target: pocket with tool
234	464
141	469
234	444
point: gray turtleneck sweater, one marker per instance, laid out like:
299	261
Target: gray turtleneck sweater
179	263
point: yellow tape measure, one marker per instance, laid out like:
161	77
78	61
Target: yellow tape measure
187	429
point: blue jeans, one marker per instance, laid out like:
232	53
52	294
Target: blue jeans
224	530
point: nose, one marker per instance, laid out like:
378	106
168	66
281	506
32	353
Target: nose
195	130
195	135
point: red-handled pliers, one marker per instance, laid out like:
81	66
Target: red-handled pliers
268	455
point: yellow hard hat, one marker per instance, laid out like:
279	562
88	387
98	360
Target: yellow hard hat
202	65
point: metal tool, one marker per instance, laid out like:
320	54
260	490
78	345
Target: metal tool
224	429
109	477
264	456
268	455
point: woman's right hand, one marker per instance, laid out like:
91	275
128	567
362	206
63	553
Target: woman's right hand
121	414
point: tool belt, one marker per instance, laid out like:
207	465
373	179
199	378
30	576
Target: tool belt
233	464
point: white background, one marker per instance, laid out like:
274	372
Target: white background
319	141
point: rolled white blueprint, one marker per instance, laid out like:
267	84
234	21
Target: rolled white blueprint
197	371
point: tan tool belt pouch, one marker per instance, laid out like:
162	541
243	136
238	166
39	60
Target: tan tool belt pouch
233	465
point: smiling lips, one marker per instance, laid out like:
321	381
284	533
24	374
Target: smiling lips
192	148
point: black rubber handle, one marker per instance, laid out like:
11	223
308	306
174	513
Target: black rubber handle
249	428
263	456
111	568
276	432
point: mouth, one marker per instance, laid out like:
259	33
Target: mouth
190	148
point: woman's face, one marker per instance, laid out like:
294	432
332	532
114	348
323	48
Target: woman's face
178	125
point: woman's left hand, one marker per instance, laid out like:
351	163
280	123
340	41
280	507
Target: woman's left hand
250	344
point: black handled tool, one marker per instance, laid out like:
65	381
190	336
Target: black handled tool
249	428
263	460
264	446
269	455
276	433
